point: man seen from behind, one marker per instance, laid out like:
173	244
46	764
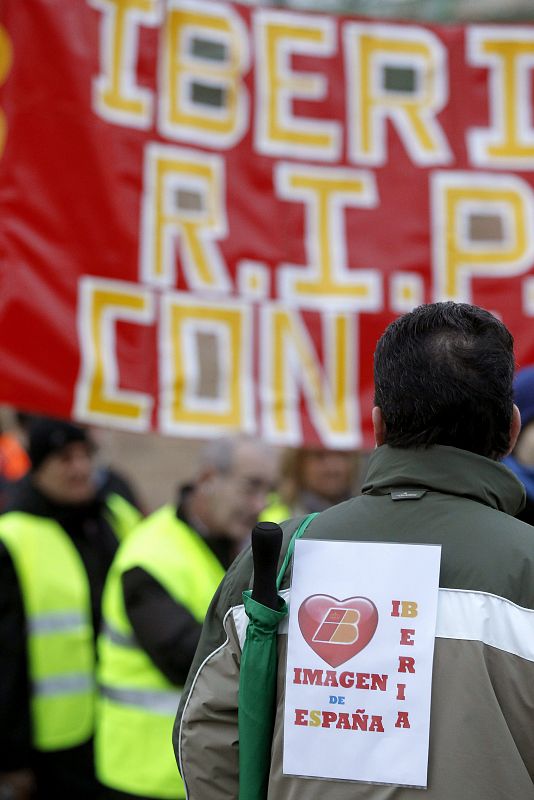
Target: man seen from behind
443	419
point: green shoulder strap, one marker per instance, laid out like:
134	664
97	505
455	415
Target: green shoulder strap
257	686
289	554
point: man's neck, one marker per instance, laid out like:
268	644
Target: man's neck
223	548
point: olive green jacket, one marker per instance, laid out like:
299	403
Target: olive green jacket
482	713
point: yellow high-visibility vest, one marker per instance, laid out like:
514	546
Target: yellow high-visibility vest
276	510
60	637
137	703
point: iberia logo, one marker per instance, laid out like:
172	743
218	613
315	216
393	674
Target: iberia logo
337	629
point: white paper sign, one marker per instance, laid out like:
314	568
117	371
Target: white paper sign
362	622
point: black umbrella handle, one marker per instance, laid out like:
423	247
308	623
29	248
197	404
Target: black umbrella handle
266	545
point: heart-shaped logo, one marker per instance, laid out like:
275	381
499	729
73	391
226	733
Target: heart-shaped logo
337	629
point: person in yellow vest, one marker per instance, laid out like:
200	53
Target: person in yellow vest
156	596
313	479
57	540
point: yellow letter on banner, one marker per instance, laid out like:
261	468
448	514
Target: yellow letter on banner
184	408
326	191
278	130
400	73
116	95
183	201
509	54
6	57
205	54
289	364
98	398
481	225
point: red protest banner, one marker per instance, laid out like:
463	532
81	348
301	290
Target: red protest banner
209	213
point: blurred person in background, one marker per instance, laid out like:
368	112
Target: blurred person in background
58	537
156	596
14	461
521	460
313	479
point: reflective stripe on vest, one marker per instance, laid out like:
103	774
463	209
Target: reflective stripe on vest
60	643
115	636
65	684
153	701
56	622
133	742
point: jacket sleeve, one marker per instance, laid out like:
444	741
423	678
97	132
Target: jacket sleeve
163	627
205	734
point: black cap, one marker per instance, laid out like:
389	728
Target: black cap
47	436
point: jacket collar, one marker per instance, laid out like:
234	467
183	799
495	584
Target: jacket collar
447	470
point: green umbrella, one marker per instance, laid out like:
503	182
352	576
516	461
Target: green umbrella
257	681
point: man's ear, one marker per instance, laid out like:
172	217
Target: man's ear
379	426
515	428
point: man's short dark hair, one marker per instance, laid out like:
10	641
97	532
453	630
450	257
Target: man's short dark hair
443	375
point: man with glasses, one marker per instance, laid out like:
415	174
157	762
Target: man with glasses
155	600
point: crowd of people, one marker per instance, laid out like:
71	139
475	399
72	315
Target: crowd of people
96	640
109	616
